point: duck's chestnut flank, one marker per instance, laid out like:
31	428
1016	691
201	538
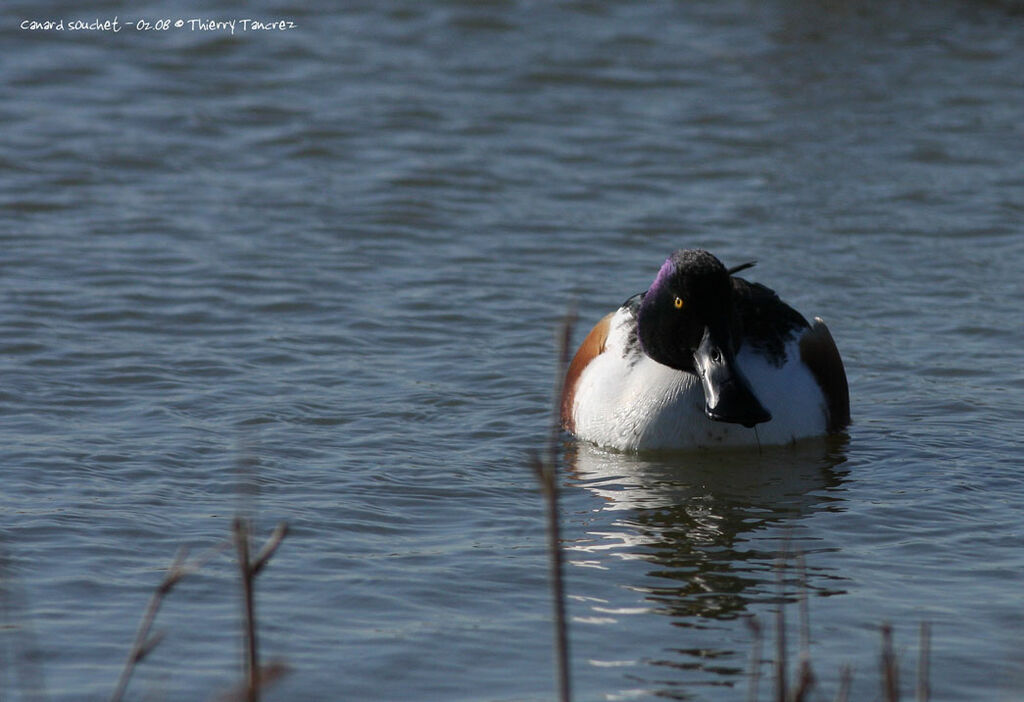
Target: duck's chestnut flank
592	346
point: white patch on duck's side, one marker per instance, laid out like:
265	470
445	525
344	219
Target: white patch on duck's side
790	393
628	401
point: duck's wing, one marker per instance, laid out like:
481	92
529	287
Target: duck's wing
819	353
765	322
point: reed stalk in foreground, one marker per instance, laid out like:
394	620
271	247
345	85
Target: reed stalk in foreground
804	680
755	658
890	669
890	665
781	674
546	469
257	677
800	688
144	643
546	475
924	662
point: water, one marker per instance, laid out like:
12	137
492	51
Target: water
314	274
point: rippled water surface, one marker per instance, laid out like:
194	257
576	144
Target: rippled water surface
315	274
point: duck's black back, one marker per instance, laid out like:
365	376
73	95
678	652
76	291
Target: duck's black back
767	322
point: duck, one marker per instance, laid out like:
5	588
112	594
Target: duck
704	358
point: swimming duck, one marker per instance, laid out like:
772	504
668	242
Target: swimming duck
704	358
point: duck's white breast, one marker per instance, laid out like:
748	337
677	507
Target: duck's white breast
635	405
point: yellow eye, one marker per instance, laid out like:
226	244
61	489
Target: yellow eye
678	302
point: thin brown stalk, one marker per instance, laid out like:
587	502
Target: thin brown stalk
805	676
546	470
240	527
924	663
269	674
755	657
780	634
845	682
546	474
249	567
144	643
265	554
805	608
804	682
890	668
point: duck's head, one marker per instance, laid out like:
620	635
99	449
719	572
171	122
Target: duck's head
686	322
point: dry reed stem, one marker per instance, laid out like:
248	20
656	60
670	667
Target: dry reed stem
890	668
804	681
240	528
256	677
755	658
268	674
249	568
267	552
924	663
144	643
546	476
805	609
805	676
845	682
780	632
546	470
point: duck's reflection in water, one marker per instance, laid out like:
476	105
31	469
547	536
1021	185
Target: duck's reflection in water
707	530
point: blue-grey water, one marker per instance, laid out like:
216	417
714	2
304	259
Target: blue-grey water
315	274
